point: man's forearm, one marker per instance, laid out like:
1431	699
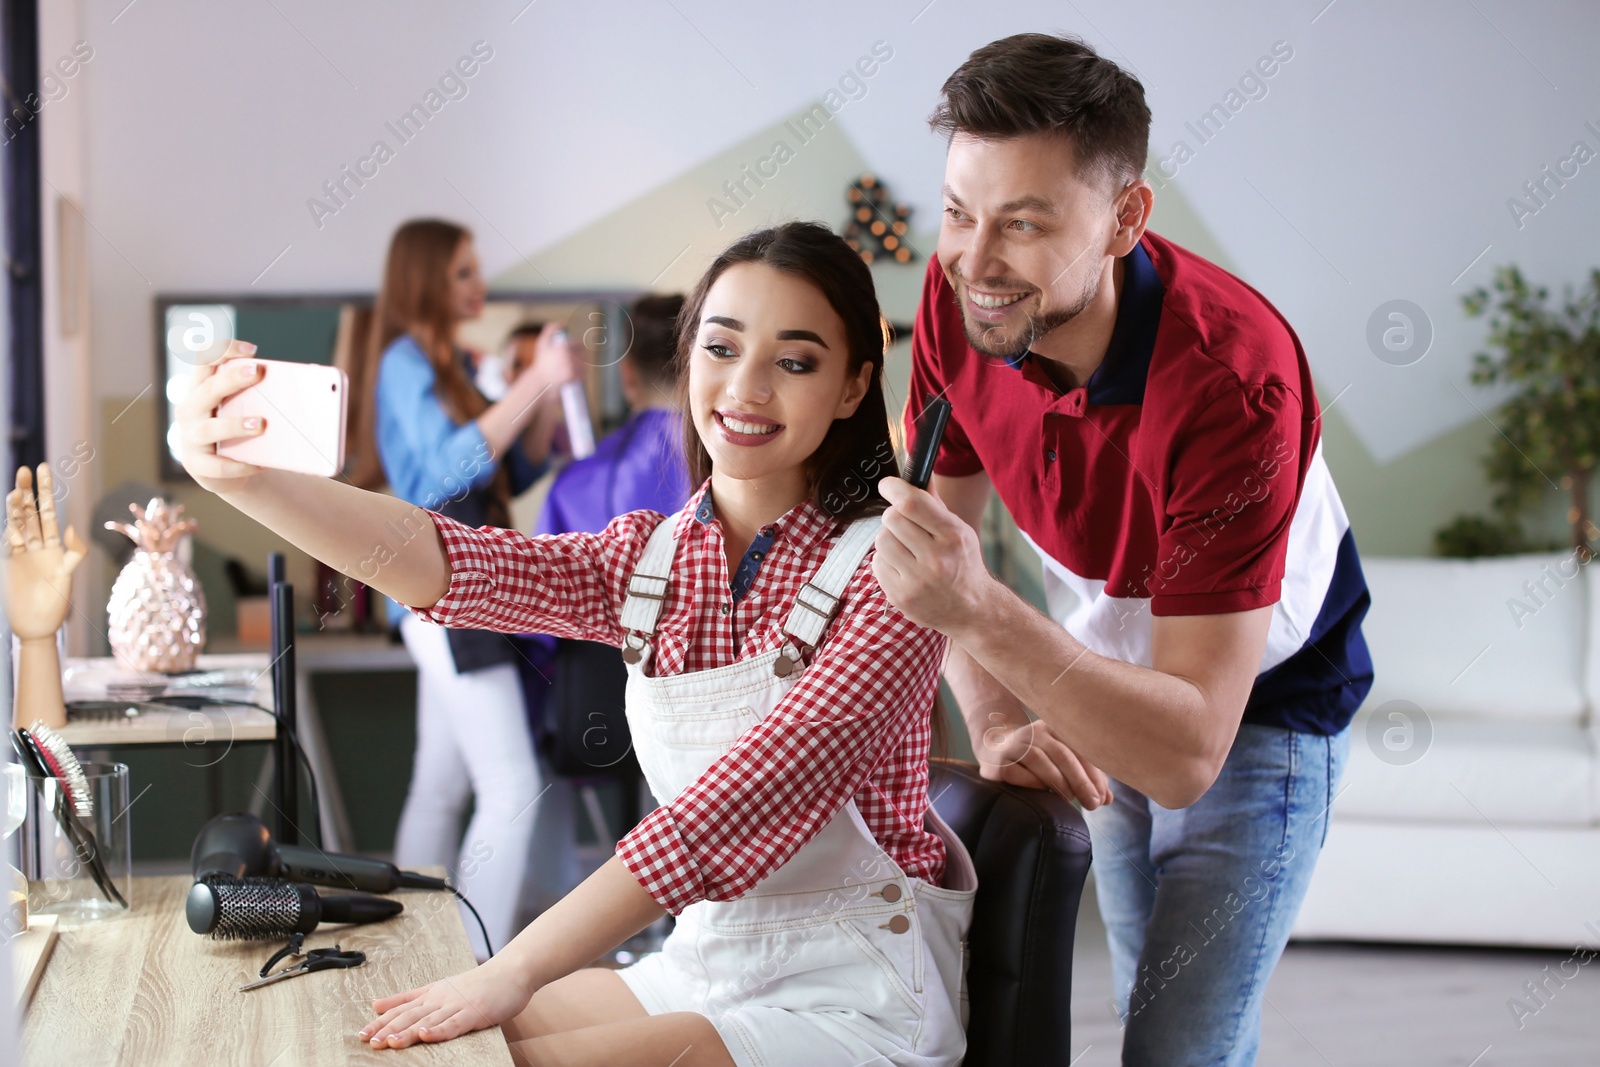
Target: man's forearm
380	540
1148	729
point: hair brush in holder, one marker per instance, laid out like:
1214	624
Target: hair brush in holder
61	763
46	755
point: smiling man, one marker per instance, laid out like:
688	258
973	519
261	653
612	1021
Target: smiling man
1150	423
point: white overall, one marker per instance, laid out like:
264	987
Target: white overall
837	957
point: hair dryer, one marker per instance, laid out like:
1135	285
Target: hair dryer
239	845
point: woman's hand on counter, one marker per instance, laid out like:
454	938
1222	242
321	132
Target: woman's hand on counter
605	910
485	996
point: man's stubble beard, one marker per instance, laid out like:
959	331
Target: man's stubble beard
992	341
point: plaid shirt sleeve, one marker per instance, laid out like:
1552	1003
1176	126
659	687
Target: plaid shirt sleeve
567	585
868	689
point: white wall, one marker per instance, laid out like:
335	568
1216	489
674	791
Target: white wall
64	60
1377	165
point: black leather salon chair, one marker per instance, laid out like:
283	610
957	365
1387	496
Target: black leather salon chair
1031	851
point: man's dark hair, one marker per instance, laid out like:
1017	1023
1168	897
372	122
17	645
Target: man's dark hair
1038	83
655	337
530	330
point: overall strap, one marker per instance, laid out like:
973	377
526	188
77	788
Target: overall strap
818	600
647	587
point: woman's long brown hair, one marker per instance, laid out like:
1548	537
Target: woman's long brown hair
842	474
415	299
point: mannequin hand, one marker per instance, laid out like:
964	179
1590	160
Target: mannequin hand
485	996
1029	755
199	428
38	594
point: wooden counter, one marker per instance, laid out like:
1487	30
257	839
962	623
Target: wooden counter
145	989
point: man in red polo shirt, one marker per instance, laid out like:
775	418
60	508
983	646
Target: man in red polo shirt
1150	423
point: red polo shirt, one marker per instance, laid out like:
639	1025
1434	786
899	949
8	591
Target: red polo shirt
1183	478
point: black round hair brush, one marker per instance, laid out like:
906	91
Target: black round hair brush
263	909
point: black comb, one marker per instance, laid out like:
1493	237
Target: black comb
929	431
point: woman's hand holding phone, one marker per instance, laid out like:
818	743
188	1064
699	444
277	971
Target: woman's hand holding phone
200	428
326	518
291	415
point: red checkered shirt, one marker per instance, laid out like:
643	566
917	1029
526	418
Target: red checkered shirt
869	687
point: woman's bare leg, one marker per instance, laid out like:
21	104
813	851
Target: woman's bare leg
590	997
678	1039
592	1017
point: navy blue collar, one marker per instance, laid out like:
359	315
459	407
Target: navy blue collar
744	576
1121	375
704	513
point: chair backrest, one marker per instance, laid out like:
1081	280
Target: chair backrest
1031	850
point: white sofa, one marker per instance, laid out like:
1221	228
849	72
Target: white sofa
1487	832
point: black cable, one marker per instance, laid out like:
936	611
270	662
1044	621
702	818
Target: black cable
481	928
294	739
201	699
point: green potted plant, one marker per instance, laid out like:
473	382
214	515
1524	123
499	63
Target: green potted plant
1550	427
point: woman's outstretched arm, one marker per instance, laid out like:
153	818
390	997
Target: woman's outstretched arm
569	585
376	539
381	540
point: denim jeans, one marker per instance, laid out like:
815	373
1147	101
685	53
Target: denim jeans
1198	901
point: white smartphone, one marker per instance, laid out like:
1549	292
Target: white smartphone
302	406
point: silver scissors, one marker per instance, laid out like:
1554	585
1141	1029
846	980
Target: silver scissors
318	959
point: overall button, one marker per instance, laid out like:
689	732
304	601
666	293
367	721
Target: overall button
899	924
890	892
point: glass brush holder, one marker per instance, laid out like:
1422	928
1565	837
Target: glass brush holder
79	868
14	788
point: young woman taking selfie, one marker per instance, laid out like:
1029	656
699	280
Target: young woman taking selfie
781	709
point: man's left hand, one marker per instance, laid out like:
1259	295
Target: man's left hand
928	561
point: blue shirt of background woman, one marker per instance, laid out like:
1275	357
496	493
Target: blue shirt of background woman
428	458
